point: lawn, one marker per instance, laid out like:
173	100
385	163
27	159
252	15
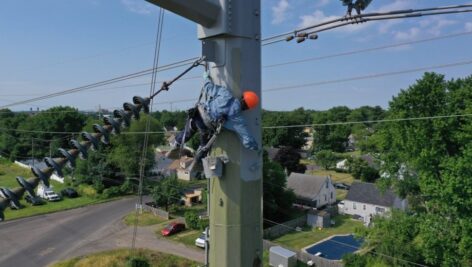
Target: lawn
186	237
144	219
119	258
179	210
298	240
338	177
8	172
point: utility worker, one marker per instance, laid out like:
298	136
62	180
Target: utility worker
215	106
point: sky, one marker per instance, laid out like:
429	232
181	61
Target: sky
53	45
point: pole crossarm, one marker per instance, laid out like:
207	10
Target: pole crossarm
203	12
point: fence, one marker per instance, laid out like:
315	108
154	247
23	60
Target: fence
305	257
281	229
156	211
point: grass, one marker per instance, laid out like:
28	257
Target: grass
298	240
144	219
119	258
186	237
8	172
338	177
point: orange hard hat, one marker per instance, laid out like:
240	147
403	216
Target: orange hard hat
251	99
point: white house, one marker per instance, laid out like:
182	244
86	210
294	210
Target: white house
366	200
312	191
182	168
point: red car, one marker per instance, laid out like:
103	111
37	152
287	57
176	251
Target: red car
173	228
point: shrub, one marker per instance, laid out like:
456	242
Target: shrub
192	220
87	190
137	262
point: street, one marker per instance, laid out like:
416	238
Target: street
42	240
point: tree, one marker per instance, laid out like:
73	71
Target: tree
167	191
279	137
289	158
435	155
277	199
361	170
326	158
331	137
126	149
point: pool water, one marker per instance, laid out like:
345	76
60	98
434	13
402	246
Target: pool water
335	247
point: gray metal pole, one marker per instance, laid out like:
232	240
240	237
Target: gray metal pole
231	43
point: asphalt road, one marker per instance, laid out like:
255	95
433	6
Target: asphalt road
44	239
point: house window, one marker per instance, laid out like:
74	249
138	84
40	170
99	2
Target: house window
331	195
364	207
325	198
326	184
354	206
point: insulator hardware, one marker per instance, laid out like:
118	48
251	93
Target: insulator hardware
313	36
289	38
115	124
70	158
105	136
56	164
300	39
28	185
14	196
123	116
144	102
43	176
81	148
132	109
92	139
302	34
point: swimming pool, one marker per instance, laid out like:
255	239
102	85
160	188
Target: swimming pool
335	247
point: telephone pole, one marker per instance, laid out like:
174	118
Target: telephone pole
230	34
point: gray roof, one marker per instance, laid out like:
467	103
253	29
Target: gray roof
304	185
369	193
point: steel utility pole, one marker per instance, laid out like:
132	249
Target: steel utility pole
230	34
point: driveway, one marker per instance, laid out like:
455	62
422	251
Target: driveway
41	240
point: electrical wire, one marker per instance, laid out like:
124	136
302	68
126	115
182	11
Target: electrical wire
284	126
106	82
365	50
148	124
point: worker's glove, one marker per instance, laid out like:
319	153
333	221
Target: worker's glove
206	75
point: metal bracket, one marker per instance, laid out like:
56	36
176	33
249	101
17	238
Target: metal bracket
213	166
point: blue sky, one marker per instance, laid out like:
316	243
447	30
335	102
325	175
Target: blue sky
53	45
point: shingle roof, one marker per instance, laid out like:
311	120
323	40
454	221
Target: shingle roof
304	185
369	193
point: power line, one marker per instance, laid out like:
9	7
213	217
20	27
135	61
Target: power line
281	126
353	52
343	21
106	82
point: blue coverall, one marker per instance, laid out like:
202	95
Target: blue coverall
218	103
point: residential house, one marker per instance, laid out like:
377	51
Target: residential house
192	196
312	191
365	200
182	168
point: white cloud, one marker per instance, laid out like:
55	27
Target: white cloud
321	3
468	26
137	6
395	5
279	12
408	35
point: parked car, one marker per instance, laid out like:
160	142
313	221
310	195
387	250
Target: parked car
69	192
172	228
200	241
35	201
